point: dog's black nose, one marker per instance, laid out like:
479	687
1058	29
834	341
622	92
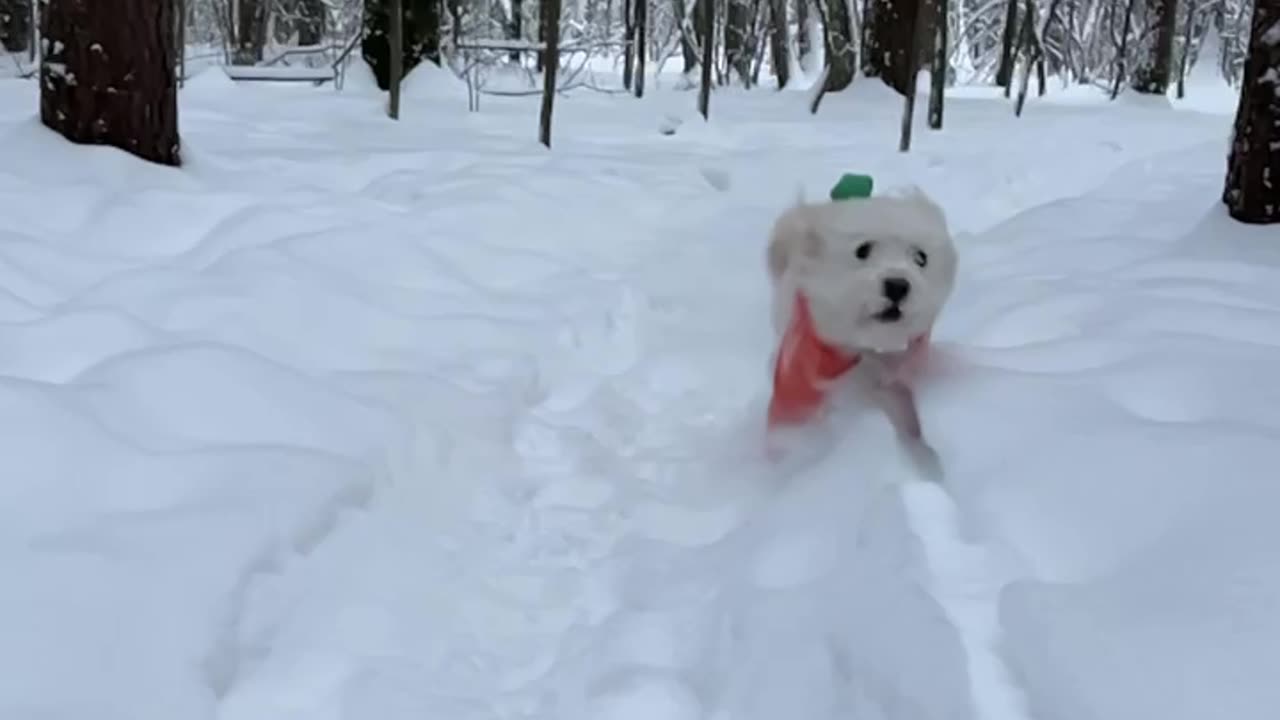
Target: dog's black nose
896	289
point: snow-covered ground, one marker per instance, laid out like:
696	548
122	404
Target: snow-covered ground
350	419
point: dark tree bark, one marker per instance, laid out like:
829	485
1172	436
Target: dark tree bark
457	12
941	64
838	39
250	32
311	22
641	43
1187	31
396	56
515	31
706	21
894	25
913	31
628	52
737	40
540	57
421	20
15	25
1252	192
804	43
872	53
1028	45
551	70
688	45
1004	72
1153	72
778	42
108	77
1122	52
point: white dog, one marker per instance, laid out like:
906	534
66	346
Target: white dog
876	272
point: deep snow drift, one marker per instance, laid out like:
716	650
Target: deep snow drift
350	419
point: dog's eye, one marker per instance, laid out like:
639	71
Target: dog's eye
922	258
864	251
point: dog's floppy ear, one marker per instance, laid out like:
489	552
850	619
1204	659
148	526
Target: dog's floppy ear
794	236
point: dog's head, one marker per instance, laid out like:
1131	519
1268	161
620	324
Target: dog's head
877	270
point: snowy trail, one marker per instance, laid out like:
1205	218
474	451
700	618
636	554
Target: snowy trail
405	421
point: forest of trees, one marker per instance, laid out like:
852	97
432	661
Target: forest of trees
123	62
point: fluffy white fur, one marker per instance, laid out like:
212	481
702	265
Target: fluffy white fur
814	247
853	259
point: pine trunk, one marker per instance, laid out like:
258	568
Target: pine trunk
894	25
421	19
396	56
629	33
1004	73
1152	74
1252	192
705	24
251	32
515	30
551	69
108	76
804	43
941	64
779	42
841	58
688	47
15	25
737	40
311	22
641	44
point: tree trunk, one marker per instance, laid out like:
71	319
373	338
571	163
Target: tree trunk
15	25
1187	29
108	75
396	59
641	43
688	44
804	43
737	40
1152	74
540	57
838	38
251	32
1029	48
629	49
1122	52
180	39
1252	192
1004	73
872	53
940	65
894	25
421	20
550	69
311	22
912	31
779	42
706	22
515	30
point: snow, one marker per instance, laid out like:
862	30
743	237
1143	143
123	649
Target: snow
356	419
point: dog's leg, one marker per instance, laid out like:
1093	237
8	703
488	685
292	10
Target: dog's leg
899	404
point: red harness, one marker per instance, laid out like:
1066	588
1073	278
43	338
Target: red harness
807	365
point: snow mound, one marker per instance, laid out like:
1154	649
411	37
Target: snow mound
356	419
429	82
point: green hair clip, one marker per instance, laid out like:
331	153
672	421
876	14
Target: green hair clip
851	185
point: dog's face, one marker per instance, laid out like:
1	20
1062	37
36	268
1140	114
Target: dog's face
877	270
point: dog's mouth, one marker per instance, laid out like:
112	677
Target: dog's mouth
891	314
